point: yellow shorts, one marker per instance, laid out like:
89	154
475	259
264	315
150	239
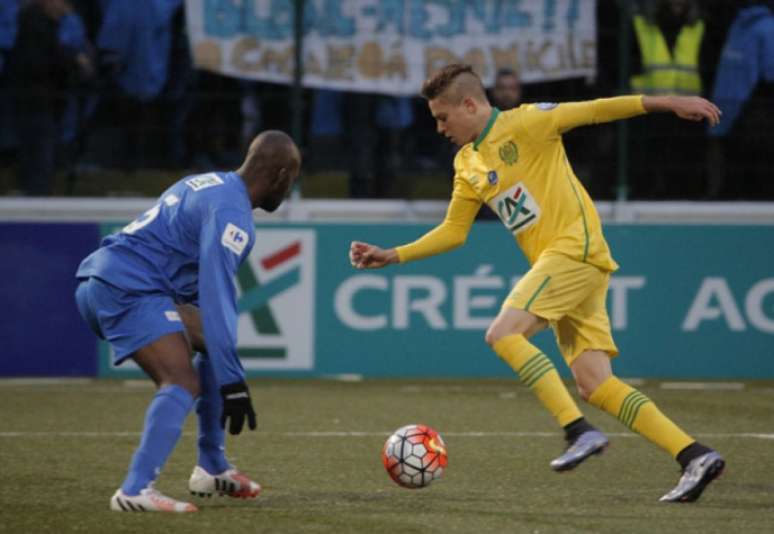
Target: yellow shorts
570	295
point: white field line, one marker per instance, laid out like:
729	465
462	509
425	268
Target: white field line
723	386
134	386
348	434
46	381
142	383
141	387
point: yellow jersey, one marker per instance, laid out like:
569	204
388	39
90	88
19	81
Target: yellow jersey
519	168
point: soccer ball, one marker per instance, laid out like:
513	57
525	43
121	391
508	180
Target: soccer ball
414	456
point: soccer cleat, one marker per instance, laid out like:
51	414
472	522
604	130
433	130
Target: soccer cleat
696	476
587	444
149	500
230	482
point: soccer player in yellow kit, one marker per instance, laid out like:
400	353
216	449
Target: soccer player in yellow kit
515	162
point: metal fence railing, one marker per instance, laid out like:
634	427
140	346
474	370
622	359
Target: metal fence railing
84	138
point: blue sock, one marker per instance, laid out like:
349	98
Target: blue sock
209	407
163	426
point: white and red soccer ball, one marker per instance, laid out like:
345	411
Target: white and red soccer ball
414	456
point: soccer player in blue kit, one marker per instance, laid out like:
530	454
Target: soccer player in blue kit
163	287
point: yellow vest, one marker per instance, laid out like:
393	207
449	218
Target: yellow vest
665	74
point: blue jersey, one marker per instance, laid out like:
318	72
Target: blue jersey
188	246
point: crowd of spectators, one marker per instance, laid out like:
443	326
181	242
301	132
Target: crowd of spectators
101	84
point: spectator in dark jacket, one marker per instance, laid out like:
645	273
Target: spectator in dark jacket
42	67
8	14
136	41
744	91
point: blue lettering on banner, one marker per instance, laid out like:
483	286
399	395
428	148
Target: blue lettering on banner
229	18
277	26
549	12
427	19
391	13
455	25
501	15
514	16
222	18
418	18
478	11
328	20
573	14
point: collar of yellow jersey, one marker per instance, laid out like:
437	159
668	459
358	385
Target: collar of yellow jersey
489	124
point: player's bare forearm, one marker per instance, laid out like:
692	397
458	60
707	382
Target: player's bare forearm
693	108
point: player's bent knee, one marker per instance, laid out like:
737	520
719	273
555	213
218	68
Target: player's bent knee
167	362
587	385
509	323
192	383
590	370
497	331
194	389
494	334
512	321
584	392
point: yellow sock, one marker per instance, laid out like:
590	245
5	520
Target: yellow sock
539	374
640	414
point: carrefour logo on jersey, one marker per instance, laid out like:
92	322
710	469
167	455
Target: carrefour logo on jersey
276	301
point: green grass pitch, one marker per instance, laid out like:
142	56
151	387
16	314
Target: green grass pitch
64	449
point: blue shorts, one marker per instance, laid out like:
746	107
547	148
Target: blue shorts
128	321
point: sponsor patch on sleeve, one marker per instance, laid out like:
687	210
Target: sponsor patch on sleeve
172	316
203	181
234	239
546	106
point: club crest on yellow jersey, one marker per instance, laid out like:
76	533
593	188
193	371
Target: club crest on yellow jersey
516	208
509	153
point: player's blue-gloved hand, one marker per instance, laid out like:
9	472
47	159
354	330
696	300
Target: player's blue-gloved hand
236	407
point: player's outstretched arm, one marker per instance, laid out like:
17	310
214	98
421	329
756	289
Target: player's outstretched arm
365	256
448	235
692	108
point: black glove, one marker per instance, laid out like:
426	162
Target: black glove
236	406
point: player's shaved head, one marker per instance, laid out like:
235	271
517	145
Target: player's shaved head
272	148
453	83
270	168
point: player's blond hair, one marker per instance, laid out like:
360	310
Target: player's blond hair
453	83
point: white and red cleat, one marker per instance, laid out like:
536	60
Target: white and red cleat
230	482
149	500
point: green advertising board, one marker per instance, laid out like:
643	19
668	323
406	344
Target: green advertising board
688	302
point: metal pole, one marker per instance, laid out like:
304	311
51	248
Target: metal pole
624	67
297	93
